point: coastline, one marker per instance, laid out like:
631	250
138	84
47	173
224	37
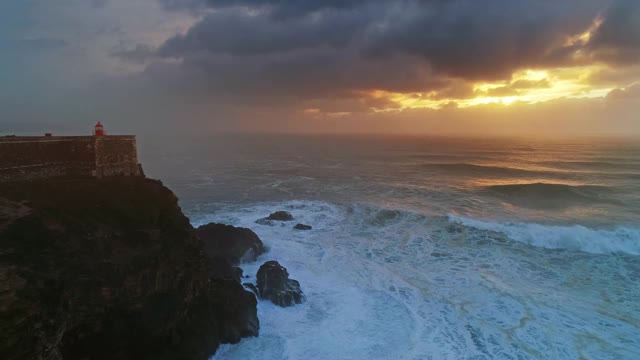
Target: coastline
111	269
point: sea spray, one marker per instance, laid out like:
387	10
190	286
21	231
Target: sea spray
620	239
384	283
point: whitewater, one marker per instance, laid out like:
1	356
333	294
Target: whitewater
429	248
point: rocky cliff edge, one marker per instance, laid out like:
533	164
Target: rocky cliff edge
110	269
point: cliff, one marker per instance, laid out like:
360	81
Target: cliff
110	269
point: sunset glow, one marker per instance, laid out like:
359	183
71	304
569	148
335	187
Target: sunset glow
346	66
525	86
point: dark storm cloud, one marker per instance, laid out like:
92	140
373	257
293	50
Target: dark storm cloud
276	8
312	48
617	40
485	40
237	32
309	73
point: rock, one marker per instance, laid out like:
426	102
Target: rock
223	269
302	227
234	244
274	285
112	269
280	216
276	216
236	309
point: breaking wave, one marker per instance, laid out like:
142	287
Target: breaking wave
621	239
385	283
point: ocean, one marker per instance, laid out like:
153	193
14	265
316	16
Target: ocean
429	247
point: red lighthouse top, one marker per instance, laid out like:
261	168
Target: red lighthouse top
99	130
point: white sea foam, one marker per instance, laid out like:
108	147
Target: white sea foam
574	237
388	284
385	283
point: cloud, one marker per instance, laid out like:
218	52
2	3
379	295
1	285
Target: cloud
530	84
513	88
614	76
630	92
276	8
238	32
222	62
307	73
286	46
34	44
617	40
359	57
455	90
485	40
99	4
138	54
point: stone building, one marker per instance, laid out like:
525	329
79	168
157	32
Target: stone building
100	155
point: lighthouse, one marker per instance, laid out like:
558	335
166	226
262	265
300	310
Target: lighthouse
99	129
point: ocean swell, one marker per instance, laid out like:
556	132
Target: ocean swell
547	195
622	239
592	165
466	169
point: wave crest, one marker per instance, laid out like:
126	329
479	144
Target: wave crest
574	237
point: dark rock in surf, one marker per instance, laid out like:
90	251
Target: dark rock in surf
280	216
274	285
302	227
276	216
234	244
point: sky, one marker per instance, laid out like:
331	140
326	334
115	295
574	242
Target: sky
505	67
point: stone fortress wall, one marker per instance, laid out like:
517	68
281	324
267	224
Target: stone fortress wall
116	156
33	157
